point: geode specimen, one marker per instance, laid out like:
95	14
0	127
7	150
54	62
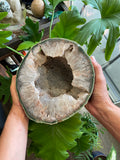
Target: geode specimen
55	80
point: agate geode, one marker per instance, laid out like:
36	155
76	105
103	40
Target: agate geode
55	80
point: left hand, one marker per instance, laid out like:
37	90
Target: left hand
16	106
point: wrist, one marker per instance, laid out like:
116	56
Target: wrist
104	111
18	113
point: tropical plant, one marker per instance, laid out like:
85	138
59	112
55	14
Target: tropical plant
72	134
93	30
90	33
32	35
51	142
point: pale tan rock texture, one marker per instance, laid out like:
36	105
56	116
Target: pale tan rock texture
54	81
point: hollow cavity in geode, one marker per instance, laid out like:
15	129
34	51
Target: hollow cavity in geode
55	79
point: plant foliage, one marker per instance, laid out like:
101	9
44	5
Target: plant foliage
112	154
88	139
85	155
94	29
32	30
25	45
51	142
4	34
33	35
110	13
67	27
5	87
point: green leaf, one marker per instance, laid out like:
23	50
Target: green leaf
3	37
25	45
95	27
83	144
110	13
5	34
2	25
112	154
51	142
32	30
67	27
88	138
3	15
93	3
2	41
113	35
5	87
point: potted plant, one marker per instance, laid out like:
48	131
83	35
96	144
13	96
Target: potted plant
67	28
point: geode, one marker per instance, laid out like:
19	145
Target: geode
54	80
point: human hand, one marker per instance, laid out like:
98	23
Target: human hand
100	97
15	99
16	106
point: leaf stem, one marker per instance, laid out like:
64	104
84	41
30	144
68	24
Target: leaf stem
14	51
51	22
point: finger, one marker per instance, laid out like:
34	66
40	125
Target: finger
13	86
13	90
98	70
97	67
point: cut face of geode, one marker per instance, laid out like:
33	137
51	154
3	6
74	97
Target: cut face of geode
54	80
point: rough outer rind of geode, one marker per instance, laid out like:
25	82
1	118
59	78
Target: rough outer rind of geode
54	81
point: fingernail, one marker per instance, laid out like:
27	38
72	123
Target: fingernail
93	58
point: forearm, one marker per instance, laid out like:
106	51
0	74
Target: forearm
109	116
13	140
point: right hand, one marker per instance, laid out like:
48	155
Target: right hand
100	97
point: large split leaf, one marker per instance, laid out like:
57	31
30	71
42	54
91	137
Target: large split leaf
51	142
110	13
32	30
5	87
67	27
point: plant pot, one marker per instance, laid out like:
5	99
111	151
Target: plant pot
97	155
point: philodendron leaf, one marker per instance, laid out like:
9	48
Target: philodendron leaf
92	3
112	154
88	138
67	27
51	142
32	30
110	13
25	45
5	87
113	35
